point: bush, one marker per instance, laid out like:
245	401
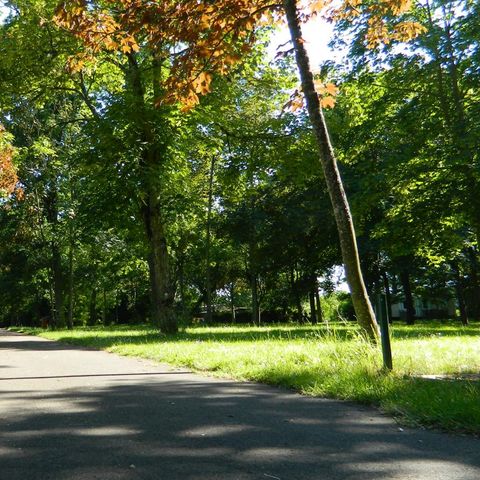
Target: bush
338	306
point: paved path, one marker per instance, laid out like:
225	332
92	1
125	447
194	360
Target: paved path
71	413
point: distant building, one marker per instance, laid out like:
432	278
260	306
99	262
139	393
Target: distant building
426	308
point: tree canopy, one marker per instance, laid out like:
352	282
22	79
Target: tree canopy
156	164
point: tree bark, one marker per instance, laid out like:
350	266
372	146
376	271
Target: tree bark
161	291
343	218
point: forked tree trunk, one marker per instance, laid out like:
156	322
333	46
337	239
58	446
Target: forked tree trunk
343	218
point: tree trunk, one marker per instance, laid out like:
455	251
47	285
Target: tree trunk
57	277
296	295
475	283
319	305
346	232
92	314
161	288
388	295
208	281
161	292
181	282
255	304
313	311
58	290
460	295
70	276
232	301
407	292
104	306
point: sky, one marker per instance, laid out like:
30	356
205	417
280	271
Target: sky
317	33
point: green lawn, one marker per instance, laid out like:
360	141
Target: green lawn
325	361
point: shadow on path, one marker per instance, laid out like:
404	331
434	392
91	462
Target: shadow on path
156	426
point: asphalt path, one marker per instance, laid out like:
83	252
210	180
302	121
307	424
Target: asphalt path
77	414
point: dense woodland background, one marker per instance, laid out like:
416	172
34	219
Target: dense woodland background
247	228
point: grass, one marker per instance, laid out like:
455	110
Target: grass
329	361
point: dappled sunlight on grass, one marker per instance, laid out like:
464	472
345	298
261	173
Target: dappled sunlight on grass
333	361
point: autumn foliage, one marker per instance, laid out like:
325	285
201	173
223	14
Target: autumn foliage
194	39
190	39
8	174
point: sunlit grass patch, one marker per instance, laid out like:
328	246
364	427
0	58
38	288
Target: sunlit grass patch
331	361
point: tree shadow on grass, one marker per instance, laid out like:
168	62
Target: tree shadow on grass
434	329
202	334
340	333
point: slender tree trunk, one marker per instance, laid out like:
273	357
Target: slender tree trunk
70	276
346	232
232	301
475	283
255	303
208	281
52	323
58	286
388	295
56	282
460	295
313	310
104	306
296	298
407	292
181	282
92	315
319	305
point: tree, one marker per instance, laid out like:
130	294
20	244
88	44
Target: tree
415	134
8	174
211	37
161	53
